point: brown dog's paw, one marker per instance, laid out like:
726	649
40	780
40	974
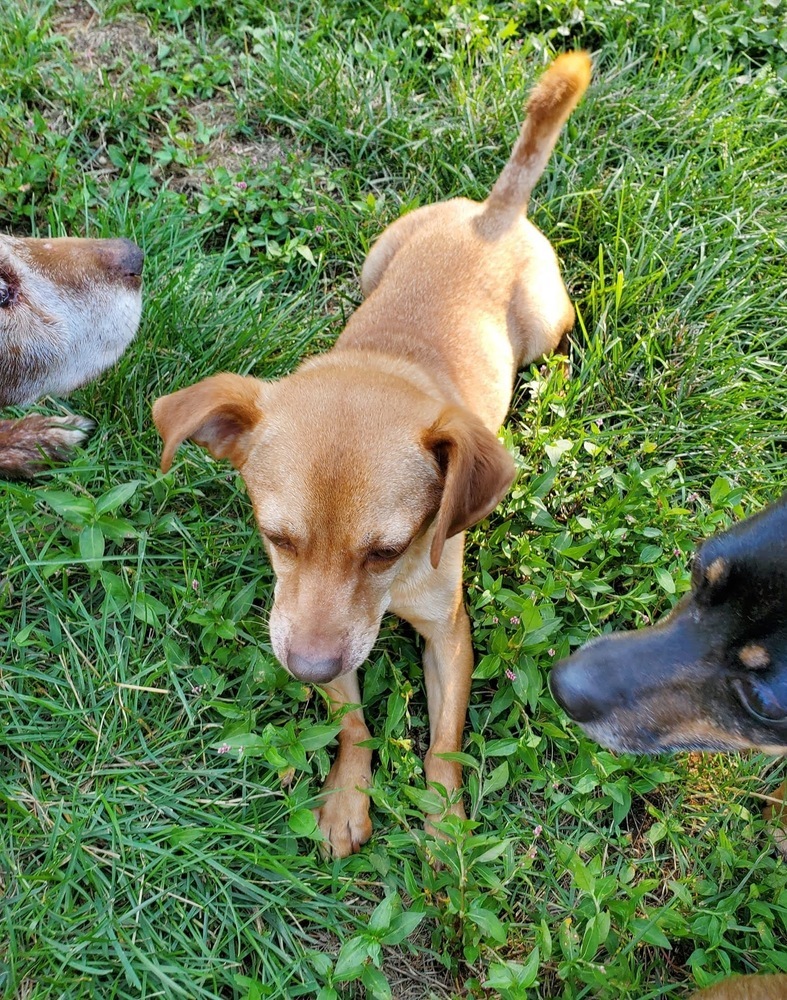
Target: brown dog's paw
25	444
343	817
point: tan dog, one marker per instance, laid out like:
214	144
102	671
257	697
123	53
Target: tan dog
771	987
365	466
68	309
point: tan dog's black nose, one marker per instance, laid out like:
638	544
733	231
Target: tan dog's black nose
314	671
123	255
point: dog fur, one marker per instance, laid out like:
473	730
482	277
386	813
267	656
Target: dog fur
768	987
366	465
712	675
68	309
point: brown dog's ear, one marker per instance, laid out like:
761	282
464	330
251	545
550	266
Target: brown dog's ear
477	472
218	413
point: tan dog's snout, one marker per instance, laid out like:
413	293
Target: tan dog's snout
314	671
320	644
319	632
308	635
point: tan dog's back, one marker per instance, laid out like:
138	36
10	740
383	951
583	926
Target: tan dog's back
421	274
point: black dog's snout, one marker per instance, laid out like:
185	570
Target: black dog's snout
576	689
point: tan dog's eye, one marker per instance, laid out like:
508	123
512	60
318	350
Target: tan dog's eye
281	544
6	294
385	556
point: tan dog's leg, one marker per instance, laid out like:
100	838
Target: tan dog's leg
776	815
448	668
768	987
343	816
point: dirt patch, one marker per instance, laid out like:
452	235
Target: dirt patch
418	976
104	46
224	149
236	157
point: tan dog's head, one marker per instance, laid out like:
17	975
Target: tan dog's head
357	479
68	309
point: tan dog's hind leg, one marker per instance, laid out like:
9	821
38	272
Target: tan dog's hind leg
448	668
343	815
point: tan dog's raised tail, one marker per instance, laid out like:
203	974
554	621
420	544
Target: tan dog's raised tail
366	465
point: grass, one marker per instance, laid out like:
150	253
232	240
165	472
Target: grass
255	151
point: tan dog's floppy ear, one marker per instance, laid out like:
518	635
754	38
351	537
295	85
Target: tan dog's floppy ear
218	413
477	470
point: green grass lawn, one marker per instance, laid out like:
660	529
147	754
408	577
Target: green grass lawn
255	150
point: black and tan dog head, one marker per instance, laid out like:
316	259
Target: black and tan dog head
713	674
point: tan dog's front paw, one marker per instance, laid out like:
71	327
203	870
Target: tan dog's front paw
455	809
343	817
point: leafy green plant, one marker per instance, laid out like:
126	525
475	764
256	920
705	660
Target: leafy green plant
265	212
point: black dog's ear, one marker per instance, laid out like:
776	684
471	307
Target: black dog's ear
217	413
476	468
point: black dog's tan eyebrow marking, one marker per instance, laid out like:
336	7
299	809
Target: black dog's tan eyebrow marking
754	656
717	570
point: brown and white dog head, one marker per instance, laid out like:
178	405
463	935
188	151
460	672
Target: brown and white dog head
68	309
357	479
